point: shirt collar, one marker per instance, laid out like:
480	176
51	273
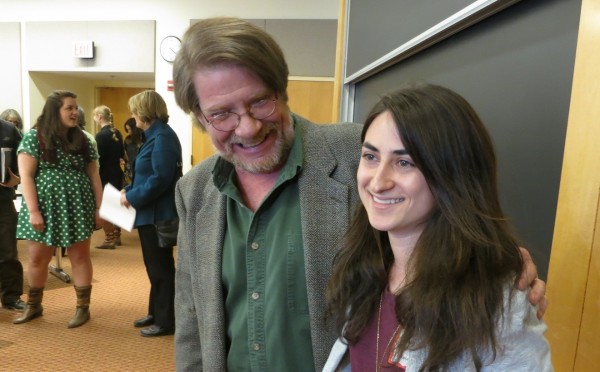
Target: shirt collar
151	131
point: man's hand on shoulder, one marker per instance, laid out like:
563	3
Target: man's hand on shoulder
529	279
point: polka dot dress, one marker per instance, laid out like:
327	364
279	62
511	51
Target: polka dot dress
65	198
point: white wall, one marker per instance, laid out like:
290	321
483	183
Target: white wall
41	84
10	72
172	18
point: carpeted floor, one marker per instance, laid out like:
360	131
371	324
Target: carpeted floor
108	342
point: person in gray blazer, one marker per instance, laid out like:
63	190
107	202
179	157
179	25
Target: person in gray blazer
261	220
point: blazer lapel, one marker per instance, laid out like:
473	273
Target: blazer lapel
324	211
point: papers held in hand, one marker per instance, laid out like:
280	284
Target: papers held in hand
112	211
6	160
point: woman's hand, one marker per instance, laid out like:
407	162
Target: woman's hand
124	201
99	222
37	221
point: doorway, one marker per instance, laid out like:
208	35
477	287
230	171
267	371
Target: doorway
117	100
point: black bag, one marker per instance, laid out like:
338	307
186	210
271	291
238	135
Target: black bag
167	232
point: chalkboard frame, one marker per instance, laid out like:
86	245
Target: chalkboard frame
471	14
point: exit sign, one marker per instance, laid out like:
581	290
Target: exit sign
83	49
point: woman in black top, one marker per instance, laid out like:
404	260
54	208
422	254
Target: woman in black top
133	142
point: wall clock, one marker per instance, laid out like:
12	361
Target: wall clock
169	46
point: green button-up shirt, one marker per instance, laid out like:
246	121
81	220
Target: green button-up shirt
268	327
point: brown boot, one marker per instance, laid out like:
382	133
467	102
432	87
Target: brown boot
117	232
33	308
82	312
110	237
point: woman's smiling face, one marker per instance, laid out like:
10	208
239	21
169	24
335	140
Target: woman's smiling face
392	189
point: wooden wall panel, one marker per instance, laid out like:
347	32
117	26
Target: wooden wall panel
312	99
202	148
117	99
574	262
588	357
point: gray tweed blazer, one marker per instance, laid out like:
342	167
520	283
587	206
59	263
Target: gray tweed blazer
328	195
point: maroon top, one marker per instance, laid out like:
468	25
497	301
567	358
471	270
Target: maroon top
362	354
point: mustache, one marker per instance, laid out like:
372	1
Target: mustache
258	138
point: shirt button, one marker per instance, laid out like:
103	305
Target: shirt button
254	245
255	296
256	347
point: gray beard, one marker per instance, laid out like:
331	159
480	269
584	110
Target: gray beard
269	163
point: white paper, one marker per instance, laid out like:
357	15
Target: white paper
112	211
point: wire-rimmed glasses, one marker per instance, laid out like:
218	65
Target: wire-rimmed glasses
227	121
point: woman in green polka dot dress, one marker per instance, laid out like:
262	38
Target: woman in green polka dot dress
61	196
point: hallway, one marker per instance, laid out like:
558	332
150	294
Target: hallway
108	342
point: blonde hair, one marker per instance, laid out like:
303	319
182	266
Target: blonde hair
104	113
148	106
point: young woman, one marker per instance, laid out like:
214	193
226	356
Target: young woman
111	151
132	144
425	279
61	197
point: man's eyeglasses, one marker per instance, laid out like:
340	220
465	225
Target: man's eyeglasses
227	121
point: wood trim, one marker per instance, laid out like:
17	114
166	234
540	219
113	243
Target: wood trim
202	147
587	357
573	243
338	82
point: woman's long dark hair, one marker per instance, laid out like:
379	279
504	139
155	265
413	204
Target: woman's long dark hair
49	134
465	256
134	134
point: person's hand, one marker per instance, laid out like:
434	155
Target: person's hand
124	201
13	181
37	221
529	279
99	222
